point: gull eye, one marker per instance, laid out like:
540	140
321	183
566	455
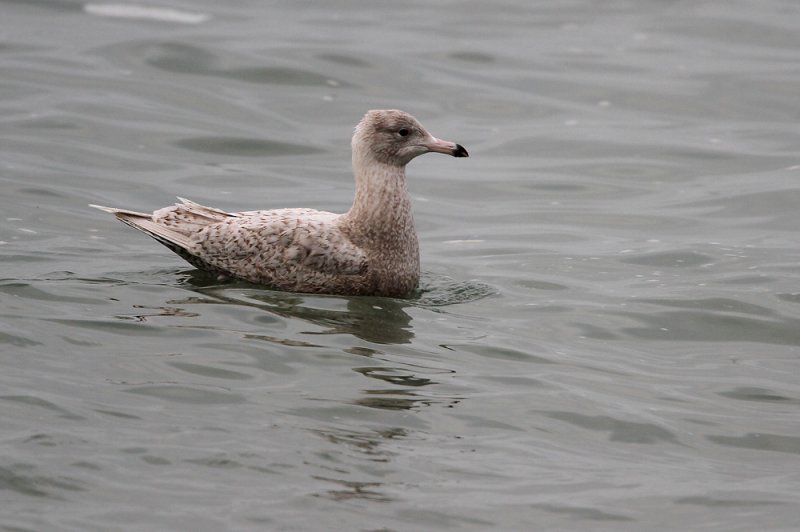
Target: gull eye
403	132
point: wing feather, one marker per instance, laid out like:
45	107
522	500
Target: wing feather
280	247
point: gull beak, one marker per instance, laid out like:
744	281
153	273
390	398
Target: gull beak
446	147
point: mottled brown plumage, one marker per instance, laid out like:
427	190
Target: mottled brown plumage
371	249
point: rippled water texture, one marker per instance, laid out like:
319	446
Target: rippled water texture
606	337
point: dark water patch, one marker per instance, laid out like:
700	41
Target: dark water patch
386	400
557	187
23	479
58	6
517	381
186	394
346	60
730	31
592	514
719	502
133	450
353	490
83	464
375	319
619	430
487	423
219	462
362	351
349	410
25	258
434	290
540	285
759	395
30	400
49	123
440	290
116	414
550	308
41	439
714	327
19	48
641	171
123	328
244	147
472	57
589	330
399	376
280	76
366	442
179	58
156	312
209	371
432	519
42	192
48	292
501	353
670	259
288	342
184	58
760	442
769	208
16	340
155	460
721	304
790	297
748	279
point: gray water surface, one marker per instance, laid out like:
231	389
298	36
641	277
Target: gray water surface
606	336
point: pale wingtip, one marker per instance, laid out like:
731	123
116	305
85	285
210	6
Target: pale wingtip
106	209
187	201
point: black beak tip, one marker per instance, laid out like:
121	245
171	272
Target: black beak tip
460	151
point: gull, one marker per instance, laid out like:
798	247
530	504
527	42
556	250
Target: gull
372	249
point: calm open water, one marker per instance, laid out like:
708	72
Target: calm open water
607	336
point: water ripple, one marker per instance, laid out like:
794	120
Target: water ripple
244	147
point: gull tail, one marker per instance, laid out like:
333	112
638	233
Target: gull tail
172	227
174	240
113	210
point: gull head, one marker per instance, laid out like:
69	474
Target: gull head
395	137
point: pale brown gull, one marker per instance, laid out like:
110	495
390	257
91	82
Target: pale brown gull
372	249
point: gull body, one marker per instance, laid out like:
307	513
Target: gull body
372	249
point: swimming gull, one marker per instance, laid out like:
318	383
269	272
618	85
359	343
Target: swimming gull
371	249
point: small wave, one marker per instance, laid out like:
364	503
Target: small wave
160	14
440	290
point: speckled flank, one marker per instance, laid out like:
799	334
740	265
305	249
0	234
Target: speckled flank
370	250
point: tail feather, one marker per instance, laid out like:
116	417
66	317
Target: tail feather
173	227
191	205
114	210
144	223
165	235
